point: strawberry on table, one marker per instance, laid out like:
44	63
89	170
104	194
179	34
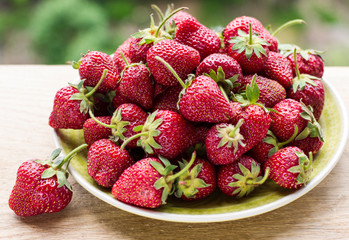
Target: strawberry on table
290	167
42	186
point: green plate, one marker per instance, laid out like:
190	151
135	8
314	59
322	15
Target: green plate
219	207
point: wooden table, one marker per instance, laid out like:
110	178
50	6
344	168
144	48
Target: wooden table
27	93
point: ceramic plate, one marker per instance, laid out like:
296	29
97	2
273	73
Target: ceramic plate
218	207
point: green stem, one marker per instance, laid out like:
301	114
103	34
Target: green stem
71	154
166	19
223	92
185	169
99	122
237	126
158	11
250	41
310	161
168	66
286	25
132	138
98	84
124	58
260	182
280	145
295	63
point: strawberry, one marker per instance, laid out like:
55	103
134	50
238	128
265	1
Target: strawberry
164	133
42	186
309	61
288	115
94	131
168	99
91	67
106	161
270	91
278	68
192	33
182	58
148	182
308	89
119	99
228	64
249	50
137	85
289	167
124	119
239	178
71	105
198	182
226	142
125	49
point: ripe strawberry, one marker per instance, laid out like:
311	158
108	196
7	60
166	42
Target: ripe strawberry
106	161
91	67
165	133
278	68
178	17
119	99
42	186
71	105
226	142
249	50
192	33
288	115
168	99
309	61
239	178
137	85
228	64
289	167
147	183
270	91
94	131
125	49
307	89
182	58
198	182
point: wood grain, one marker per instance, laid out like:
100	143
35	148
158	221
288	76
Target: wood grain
27	93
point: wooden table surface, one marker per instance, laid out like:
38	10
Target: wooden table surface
27	93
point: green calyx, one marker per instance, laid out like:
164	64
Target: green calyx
301	80
304	168
248	180
249	43
313	128
225	85
156	33
168	178
230	136
288	49
59	165
85	94
146	134
272	140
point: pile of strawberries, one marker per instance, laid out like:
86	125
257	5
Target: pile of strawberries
181	110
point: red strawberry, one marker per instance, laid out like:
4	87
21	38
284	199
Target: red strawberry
278	68
182	58
165	133
288	114
42	186
94	131
119	99
289	167
168	99
270	91
71	105
147	183
307	89
91	67
192	33
125	49
198	182
249	50
228	64
178	17
106	161
238	179
137	85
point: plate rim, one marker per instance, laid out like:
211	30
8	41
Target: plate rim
220	217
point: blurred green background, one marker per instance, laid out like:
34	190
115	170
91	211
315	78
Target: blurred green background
56	31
